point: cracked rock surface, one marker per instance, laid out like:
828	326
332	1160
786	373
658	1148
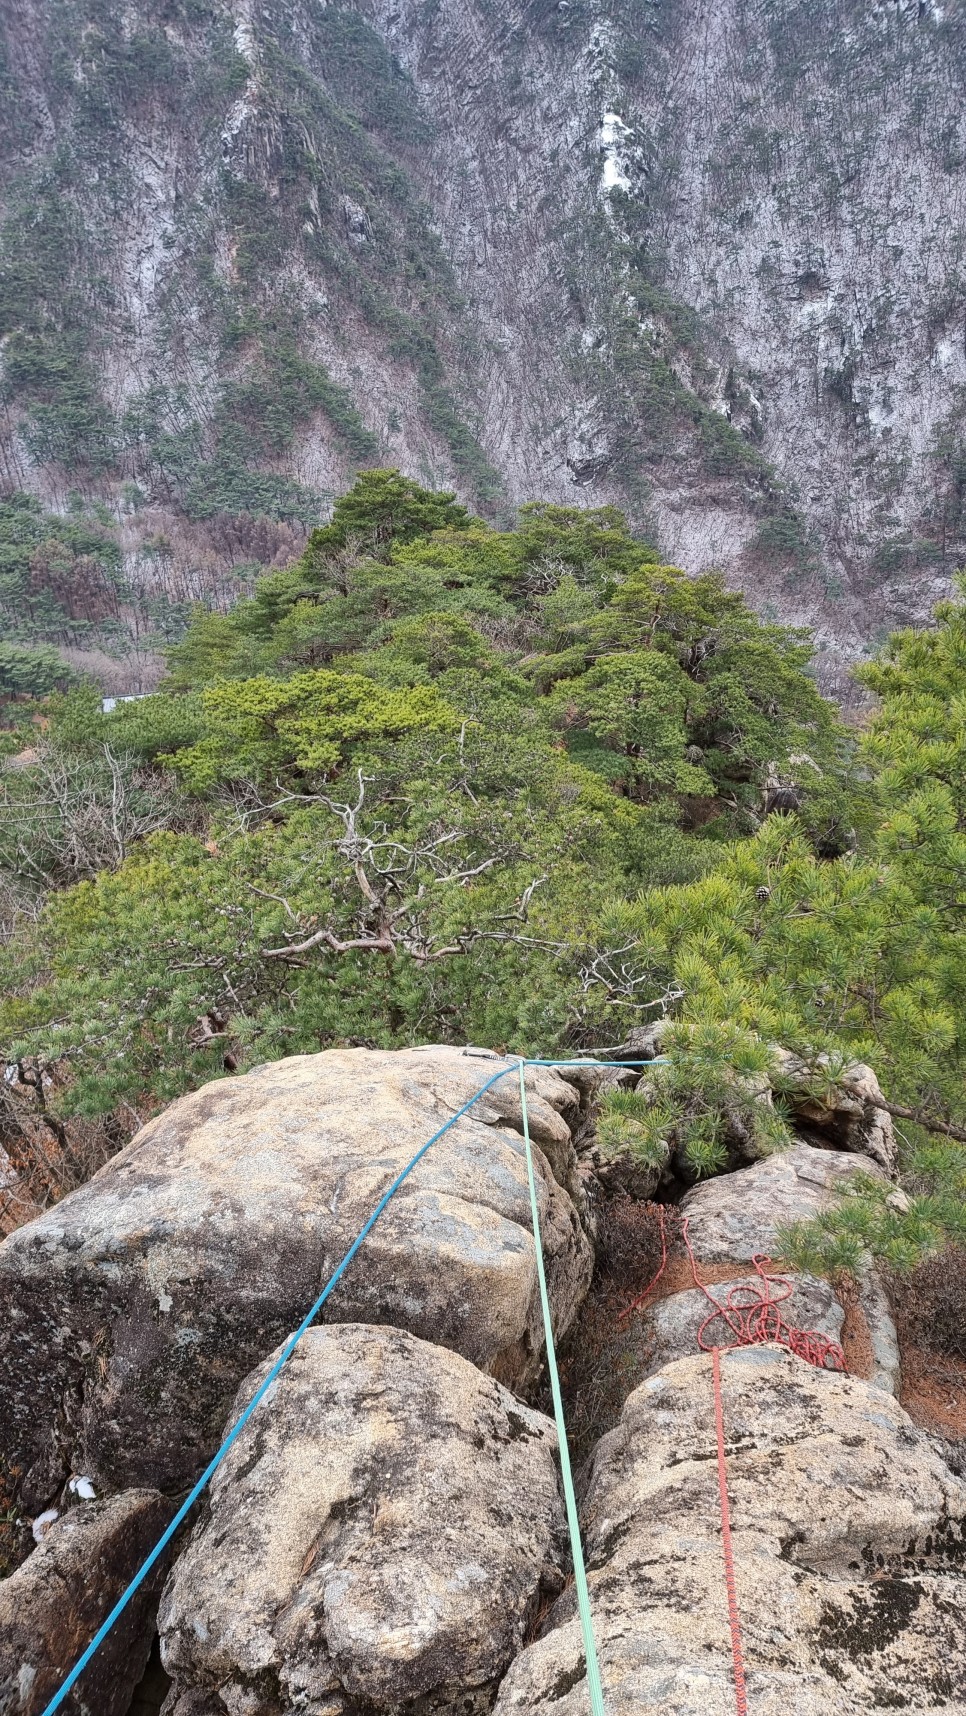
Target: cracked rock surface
51	1607
136	1306
387	1536
383	1532
849	1541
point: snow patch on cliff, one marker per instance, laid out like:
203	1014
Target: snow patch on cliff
243	33
613	138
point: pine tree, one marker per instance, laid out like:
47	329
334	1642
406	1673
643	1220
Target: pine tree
860	958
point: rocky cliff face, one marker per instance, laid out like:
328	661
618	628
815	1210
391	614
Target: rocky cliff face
701	260
386	1537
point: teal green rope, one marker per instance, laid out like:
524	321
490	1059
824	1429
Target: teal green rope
594	1687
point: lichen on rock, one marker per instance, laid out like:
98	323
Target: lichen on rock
138	1304
849	1537
736	1215
379	1538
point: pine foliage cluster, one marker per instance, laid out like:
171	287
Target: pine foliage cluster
527	787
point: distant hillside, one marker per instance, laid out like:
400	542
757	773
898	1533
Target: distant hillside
704	262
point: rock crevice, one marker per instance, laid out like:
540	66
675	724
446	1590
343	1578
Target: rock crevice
387	1535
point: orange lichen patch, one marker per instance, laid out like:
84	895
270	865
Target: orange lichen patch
855	1339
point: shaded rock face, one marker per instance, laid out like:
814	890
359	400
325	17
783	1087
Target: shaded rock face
737	1215
51	1607
849	1542
136	1306
379	1539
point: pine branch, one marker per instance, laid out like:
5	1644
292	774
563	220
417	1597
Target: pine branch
931	1122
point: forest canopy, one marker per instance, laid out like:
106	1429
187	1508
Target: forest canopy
529	788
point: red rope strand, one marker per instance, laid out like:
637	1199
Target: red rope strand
751	1315
734	1619
750	1312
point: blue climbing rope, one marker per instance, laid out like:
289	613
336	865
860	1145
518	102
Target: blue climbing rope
292	1342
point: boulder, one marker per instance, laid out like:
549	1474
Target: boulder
676	1322
883	1337
846	1116
134	1308
645	1042
380	1538
849	1535
735	1216
52	1606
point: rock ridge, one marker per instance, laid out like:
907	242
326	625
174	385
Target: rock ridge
387	1536
138	1304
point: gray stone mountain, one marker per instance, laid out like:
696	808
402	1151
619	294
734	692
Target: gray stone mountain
702	259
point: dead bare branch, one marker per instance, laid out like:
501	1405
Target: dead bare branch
326	937
921	1117
382	867
622	980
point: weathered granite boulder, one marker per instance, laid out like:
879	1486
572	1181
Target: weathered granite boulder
735	1216
676	1322
134	1308
849	1541
52	1606
379	1539
883	1337
848	1117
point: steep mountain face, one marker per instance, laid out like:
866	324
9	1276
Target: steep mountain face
699	258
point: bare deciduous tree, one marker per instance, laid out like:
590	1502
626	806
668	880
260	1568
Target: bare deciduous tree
42	1156
64	818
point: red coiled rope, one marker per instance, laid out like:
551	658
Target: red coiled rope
751	1314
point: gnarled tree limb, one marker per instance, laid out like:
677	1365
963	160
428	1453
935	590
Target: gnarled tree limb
931	1122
